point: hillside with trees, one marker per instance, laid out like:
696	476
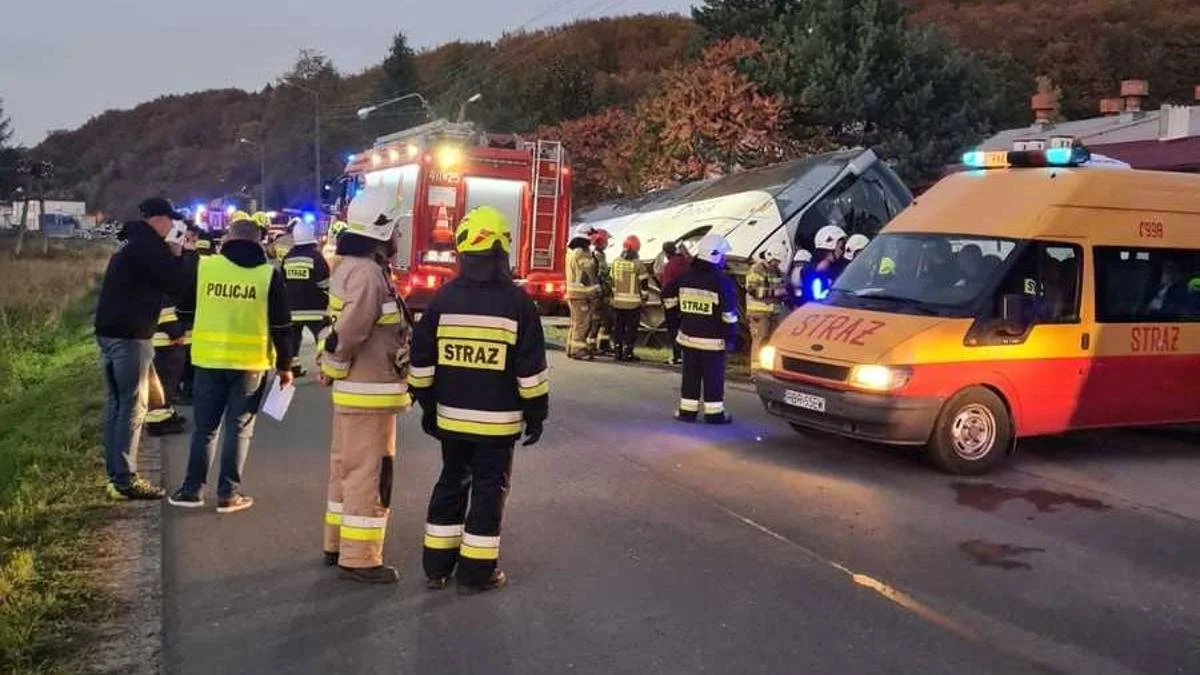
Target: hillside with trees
648	101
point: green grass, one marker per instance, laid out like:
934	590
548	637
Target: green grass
51	485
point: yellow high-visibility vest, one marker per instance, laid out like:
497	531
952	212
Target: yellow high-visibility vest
231	329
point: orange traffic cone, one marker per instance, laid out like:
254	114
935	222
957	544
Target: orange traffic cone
442	235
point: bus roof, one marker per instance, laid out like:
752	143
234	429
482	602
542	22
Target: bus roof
1012	202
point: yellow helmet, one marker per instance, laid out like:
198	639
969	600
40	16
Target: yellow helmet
261	219
238	215
337	228
481	229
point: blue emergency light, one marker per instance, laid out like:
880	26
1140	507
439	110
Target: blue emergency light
309	218
819	291
1005	159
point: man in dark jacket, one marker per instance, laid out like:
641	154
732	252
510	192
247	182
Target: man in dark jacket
478	369
139	273
237	307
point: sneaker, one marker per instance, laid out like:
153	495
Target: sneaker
331	558
139	489
234	503
381	574
188	499
498	580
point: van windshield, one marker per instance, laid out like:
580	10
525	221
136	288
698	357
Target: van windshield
937	274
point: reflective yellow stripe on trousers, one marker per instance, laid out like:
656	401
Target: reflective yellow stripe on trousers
479	548
363	528
371	395
443	537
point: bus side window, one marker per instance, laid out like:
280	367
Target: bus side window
1148	285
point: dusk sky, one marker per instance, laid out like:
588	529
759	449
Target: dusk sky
63	61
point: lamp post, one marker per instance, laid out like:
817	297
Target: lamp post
364	113
262	171
316	136
462	109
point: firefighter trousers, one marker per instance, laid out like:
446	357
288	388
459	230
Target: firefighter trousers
600	328
361	460
474	474
581	323
703	374
625	330
761	327
169	363
298	327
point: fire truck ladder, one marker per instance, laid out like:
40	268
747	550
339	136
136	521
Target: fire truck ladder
547	185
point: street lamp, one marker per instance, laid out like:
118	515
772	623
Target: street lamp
462	109
364	113
262	170
316	136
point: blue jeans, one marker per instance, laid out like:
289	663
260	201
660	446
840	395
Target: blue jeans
126	365
234	395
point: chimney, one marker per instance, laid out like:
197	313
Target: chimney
1045	108
1111	106
1134	92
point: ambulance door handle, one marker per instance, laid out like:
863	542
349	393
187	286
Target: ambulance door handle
1085	341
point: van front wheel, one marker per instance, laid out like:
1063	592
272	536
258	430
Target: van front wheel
972	433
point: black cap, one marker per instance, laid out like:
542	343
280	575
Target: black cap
157	206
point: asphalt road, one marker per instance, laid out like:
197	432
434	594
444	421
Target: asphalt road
639	545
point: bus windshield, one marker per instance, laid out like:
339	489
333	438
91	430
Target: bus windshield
937	274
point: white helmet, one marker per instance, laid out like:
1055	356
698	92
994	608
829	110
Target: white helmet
856	243
712	248
828	237
803	255
302	232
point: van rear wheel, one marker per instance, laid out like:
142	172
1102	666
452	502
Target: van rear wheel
973	433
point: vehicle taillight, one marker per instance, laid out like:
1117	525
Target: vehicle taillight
549	288
431	281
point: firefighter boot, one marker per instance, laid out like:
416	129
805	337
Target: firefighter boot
718	418
380	574
498	580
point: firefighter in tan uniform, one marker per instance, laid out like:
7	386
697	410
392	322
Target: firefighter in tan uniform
583	293
765	296
365	356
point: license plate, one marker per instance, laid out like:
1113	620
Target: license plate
806	401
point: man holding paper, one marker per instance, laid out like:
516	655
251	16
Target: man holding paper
237	305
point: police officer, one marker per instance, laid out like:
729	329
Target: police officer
365	357
629	278
307	276
765	294
708	322
479	372
237	306
583	293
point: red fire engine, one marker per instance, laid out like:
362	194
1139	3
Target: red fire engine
440	171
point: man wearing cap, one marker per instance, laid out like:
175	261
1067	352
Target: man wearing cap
307	276
143	269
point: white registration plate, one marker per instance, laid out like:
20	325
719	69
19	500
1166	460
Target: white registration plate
801	400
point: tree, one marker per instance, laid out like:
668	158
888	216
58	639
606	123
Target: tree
6	130
400	74
596	147
724	19
857	68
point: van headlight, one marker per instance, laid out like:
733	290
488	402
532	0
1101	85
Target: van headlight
879	378
766	357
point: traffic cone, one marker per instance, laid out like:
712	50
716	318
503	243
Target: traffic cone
442	234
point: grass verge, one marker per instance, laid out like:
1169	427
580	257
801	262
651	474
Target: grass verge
51	478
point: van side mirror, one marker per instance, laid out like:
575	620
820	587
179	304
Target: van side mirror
1015	313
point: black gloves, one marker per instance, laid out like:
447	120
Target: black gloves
429	420
533	433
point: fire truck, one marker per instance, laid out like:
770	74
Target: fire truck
439	171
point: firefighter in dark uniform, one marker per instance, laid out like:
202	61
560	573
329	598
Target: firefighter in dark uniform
479	372
708	322
307	275
170	342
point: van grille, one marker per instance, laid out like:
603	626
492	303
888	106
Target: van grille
825	371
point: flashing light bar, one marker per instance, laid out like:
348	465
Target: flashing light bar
1004	159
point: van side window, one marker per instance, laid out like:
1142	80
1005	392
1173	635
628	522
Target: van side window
1050	274
1147	285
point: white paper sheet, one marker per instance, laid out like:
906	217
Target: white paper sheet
275	405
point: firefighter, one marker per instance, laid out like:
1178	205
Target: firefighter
765	294
708	322
365	357
330	250
479	373
796	276
599	337
307	276
170	359
204	243
676	261
830	245
629	279
854	245
583	292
